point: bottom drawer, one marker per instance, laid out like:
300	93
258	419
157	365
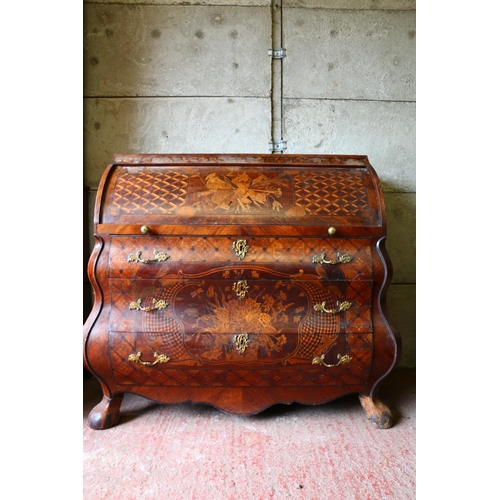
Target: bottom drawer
291	360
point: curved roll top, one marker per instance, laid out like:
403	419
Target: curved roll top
336	191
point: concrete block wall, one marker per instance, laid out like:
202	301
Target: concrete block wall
188	76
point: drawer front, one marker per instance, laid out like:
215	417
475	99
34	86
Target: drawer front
189	307
136	359
154	256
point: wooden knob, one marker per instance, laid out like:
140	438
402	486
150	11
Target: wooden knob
145	229
331	231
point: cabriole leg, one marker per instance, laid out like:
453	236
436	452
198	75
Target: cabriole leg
107	413
377	412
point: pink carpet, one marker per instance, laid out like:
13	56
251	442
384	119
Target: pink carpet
187	451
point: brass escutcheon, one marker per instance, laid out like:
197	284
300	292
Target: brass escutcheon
158	304
342	306
241	289
160	358
342	258
157	257
343	359
241	341
240	248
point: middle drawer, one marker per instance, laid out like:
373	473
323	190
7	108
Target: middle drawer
193	306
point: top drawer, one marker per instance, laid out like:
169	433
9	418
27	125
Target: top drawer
156	256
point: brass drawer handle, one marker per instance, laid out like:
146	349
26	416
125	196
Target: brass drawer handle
241	288
158	304
240	248
342	306
343	359
145	229
342	258
157	257
160	358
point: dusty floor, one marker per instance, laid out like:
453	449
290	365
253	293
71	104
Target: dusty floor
187	451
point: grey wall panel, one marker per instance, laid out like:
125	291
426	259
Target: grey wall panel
350	5
150	50
384	131
349	54
239	3
401	235
401	303
171	125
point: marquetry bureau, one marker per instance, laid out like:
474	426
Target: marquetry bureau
240	281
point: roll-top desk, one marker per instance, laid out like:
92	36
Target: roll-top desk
240	281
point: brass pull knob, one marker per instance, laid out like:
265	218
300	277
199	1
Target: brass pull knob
343	359
157	304
160	358
342	306
157	257
332	230
145	230
342	258
240	248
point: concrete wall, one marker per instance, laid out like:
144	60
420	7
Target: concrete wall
195	76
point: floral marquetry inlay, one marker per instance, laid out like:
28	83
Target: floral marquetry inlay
240	192
259	316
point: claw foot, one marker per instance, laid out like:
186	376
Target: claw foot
106	414
376	411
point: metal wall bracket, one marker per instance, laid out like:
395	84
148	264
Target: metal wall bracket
276	53
277	146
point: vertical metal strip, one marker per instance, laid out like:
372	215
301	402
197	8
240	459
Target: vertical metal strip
277	74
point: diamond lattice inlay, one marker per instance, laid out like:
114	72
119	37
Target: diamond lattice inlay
319	194
150	192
